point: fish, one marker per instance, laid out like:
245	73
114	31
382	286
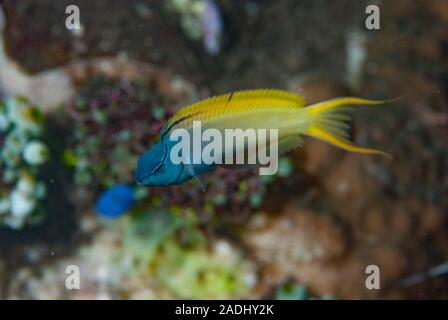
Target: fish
115	201
261	108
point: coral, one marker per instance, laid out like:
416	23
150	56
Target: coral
22	154
124	133
215	273
190	12
294	291
160	256
291	292
192	268
297	236
119	119
200	19
389	213
295	244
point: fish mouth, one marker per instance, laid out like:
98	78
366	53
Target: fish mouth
150	163
140	174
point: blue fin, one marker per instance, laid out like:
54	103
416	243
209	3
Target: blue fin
195	176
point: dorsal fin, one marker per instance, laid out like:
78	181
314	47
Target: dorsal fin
236	102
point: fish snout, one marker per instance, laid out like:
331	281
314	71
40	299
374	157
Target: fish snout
149	163
142	171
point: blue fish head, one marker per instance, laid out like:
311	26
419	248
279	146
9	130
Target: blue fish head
154	167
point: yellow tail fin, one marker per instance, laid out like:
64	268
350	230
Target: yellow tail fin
328	123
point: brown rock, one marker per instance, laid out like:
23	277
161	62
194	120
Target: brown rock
316	89
390	261
432	218
349	183
318	157
292	240
439	8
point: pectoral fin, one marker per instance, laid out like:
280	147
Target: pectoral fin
195	176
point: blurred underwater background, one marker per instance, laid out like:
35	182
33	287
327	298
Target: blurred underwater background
78	107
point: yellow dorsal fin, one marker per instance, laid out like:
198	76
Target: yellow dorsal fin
236	102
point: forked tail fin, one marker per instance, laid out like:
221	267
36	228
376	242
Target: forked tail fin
328	122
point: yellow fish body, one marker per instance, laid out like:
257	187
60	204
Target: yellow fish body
253	109
282	110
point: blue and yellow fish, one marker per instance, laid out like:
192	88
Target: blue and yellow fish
252	109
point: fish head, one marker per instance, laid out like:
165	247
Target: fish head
155	169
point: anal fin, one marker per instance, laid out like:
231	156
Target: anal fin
289	143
